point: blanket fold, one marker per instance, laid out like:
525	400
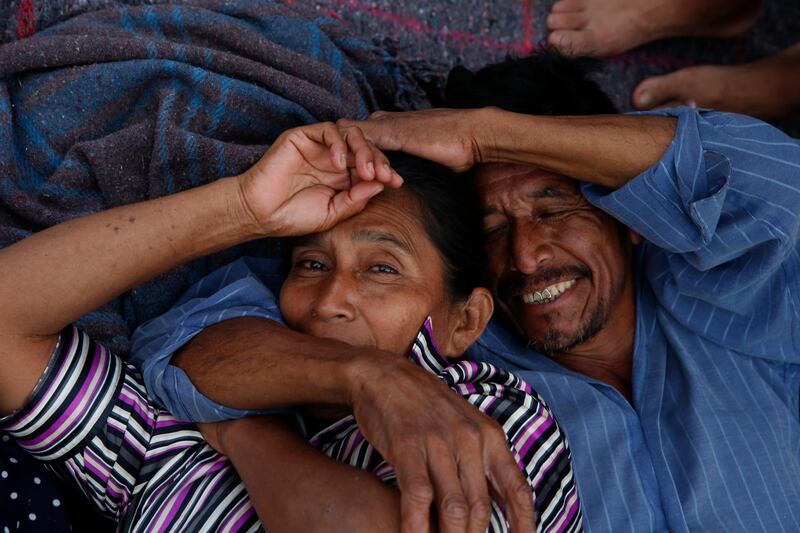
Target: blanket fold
130	103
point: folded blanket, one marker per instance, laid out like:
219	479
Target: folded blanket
130	103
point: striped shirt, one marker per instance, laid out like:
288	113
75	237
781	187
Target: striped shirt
538	445
90	421
711	441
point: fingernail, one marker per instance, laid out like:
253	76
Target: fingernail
371	168
343	159
645	99
691	103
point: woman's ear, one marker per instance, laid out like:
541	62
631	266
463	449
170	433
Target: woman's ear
468	321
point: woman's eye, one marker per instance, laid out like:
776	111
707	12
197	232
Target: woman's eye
311	264
383	269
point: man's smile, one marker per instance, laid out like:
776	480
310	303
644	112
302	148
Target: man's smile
549	293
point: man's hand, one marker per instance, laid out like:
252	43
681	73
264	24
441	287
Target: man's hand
456	138
442	448
313	177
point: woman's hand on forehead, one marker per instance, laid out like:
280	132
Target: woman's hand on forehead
312	177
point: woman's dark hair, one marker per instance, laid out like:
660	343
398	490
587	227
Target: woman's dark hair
544	83
451	216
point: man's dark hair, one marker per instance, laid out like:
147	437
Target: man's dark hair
451	216
544	83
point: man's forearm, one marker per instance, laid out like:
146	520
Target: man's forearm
608	150
254	363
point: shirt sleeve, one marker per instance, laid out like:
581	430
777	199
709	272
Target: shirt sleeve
90	419
719	213
69	407
244	288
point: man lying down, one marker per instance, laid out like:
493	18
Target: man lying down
383	265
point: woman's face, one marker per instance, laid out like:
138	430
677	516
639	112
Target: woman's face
370	281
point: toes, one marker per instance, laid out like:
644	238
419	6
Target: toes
660	91
568	6
565	21
571	42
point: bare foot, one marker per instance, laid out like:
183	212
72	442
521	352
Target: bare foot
767	89
607	27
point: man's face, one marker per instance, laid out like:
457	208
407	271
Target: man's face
557	264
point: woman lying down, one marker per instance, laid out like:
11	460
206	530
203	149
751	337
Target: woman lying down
379	265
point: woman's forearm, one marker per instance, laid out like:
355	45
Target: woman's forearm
295	487
57	275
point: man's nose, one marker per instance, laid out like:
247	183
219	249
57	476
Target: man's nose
531	246
334	299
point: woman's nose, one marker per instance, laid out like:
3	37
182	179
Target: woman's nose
335	298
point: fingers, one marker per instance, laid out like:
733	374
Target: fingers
416	491
351	201
329	135
370	163
476	490
451	502
512	487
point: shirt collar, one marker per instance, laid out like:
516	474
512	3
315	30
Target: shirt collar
424	351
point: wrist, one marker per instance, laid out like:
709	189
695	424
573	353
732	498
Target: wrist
241	212
361	374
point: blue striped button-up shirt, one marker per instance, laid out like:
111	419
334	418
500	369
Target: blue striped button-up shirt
711	441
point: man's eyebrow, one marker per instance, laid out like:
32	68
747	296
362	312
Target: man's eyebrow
378	236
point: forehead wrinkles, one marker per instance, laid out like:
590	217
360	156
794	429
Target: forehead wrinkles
505	195
390	222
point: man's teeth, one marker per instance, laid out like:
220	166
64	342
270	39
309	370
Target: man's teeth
548	294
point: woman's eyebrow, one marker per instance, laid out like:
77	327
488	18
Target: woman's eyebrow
314	239
377	236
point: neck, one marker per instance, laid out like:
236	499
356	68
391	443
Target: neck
608	356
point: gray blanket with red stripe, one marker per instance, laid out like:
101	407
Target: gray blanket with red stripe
129	103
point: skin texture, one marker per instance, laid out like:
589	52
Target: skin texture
764	88
311	178
534	153
370	281
540	230
607	150
601	28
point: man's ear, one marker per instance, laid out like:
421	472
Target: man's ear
468	321
634	237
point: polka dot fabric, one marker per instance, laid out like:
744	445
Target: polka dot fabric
30	500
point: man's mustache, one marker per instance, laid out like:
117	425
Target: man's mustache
513	286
